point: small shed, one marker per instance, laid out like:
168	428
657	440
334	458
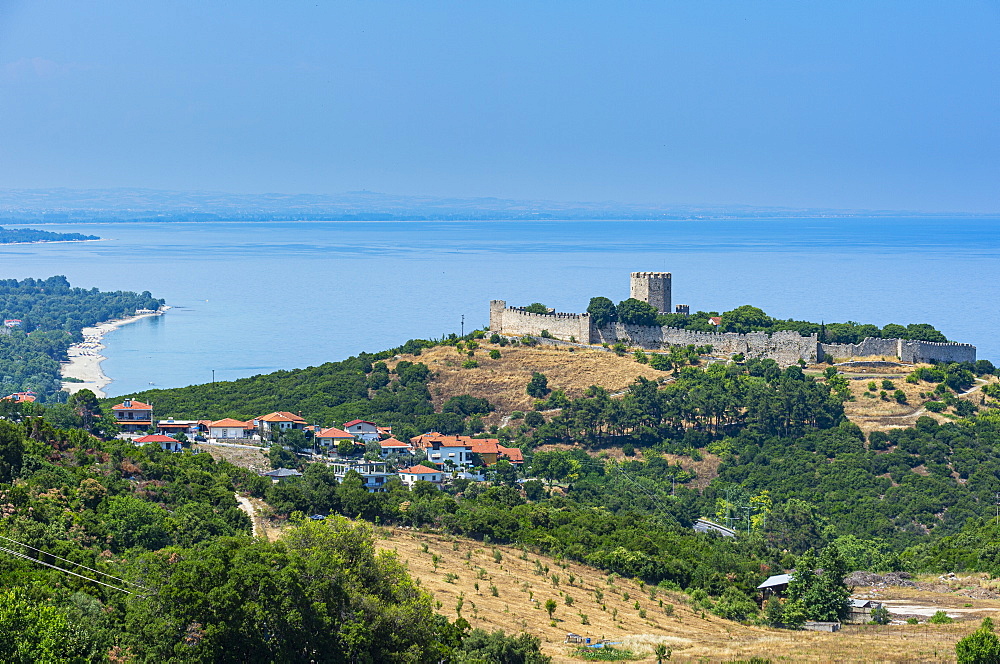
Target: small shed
281	474
775	585
816	626
860	610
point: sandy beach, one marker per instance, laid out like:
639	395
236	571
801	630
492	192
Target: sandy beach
85	358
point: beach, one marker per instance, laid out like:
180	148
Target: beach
85	358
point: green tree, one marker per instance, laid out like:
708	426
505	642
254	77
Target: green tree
980	647
345	448
537	308
279	457
33	631
133	522
602	311
11	450
538	386
823	595
550	607
744	319
636	312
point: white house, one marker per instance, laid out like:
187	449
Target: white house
133	416
362	430
414	474
228	428
166	443
280	420
374	474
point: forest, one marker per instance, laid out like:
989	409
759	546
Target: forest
52	315
12	235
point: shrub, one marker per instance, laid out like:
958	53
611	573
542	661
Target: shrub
640	357
980	647
494	354
547	335
899	396
935	406
941	618
470	364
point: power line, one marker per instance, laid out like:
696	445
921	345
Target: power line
52	555
61	569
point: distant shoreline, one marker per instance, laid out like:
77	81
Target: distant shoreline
85	358
8	244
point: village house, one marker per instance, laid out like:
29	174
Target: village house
133	416
775	585
21	397
170	426
278	421
229	428
448	451
420	473
374	474
393	446
490	450
362	430
166	443
330	438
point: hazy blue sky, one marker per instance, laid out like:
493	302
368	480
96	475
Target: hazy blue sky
842	104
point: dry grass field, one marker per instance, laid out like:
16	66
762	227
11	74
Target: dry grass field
503	381
870	412
452	568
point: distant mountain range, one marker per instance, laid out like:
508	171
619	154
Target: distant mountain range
68	205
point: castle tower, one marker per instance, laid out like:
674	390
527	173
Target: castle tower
652	287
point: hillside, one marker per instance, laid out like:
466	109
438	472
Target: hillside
503	381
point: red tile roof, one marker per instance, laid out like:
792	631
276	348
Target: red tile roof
20	397
136	405
228	422
392	442
156	438
281	416
512	454
485	445
418	470
334	432
715	320
353	422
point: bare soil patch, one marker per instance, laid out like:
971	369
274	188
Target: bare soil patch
503	381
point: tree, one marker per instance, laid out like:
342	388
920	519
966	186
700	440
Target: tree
480	646
980	647
11	450
636	312
744	319
538	386
823	595
550	607
32	631
280	457
662	653
345	448
534	419
602	311
537	308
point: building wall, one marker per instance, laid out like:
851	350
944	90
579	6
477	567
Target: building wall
652	287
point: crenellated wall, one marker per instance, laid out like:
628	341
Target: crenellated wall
516	321
905	349
871	346
785	347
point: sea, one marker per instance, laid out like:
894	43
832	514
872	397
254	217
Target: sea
252	298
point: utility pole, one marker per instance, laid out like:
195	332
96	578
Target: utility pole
463	325
213	379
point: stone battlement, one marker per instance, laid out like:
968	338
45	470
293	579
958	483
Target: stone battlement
786	347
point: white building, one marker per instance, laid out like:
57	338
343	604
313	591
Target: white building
421	473
374	474
362	430
229	428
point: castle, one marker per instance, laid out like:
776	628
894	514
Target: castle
786	347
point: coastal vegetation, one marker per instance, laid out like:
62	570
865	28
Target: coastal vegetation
17	235
48	315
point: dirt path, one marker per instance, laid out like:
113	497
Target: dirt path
255	519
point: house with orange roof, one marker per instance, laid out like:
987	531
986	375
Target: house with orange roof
280	420
229	428
393	446
133	416
420	473
363	430
21	397
166	443
448	451
330	438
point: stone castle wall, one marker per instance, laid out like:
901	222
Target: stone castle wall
906	350
785	347
653	288
516	321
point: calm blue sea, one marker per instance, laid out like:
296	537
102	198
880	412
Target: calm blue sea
251	298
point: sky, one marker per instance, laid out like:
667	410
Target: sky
848	105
